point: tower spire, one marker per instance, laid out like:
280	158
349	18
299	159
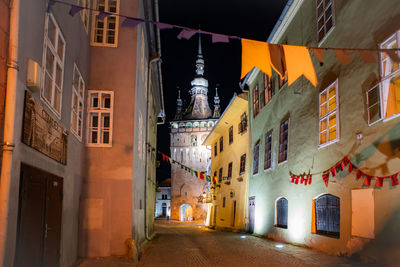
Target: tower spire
200	60
178	115
217	107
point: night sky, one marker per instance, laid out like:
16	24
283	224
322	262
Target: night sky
252	19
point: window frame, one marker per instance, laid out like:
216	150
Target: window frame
256	101
85	13
100	110
230	134
242	128
317	18
242	168
230	164
377	103
278	213
327	213
268	89
221	144
215	149
105	22
384	78
280	160
256	157
269	134
57	61
220	172
80	99
328	114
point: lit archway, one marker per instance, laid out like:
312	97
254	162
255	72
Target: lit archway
185	213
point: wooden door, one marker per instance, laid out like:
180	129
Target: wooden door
252	204
39	223
233	213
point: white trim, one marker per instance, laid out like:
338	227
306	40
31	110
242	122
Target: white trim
80	99
85	13
105	27
57	62
279	142
320	42
336	111
265	135
293	9
380	105
100	110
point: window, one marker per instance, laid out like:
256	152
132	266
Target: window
181	152
281	213
390	76
282	81
85	12
327	215
174	153
231	135
223	202
373	105
268	90
242	164
325	18
78	91
221	144
100	118
256	157
193	140
53	65
283	141
105	31
220	172
187	154
230	169
255	101
215	173
242	128
268	151
215	149
194	155
328	115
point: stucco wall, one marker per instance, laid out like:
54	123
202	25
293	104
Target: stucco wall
31	34
358	25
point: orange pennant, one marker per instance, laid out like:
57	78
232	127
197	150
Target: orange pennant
277	59
367	56
255	54
298	62
319	53
342	56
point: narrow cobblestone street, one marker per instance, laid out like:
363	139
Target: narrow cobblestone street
196	245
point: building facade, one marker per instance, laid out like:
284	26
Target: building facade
69	112
299	130
189	129
229	149
163	200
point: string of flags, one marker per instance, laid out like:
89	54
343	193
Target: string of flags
283	59
360	174
304	178
198	174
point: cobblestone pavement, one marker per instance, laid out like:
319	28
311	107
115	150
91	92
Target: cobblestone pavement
194	245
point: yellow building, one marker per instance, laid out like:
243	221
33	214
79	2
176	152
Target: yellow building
229	149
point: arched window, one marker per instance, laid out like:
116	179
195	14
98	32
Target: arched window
327	215
196	124
181	125
189	125
282	213
210	124
174	125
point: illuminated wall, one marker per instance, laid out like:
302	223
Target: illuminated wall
373	148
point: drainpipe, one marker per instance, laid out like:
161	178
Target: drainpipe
159	65
9	123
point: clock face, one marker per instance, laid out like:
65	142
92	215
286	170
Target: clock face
203	137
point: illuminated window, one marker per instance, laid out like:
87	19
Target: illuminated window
373	105
78	91
325	18
181	152
281	213
242	164
230	169
255	101
193	140
215	149
268	91
221	144
53	66
390	76
85	12
327	215
100	119
283	141
231	135
242	128
105	31
256	155
328	115
268	151
187	154
174	153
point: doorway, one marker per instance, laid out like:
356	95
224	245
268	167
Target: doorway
164	210
186	213
39	218
233	213
252	203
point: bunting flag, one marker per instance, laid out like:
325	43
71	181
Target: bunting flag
102	15
303	178
342	56
298	62
367	56
164	26
75	9
325	177
186	34
132	23
277	59
219	38
255	54
319	53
